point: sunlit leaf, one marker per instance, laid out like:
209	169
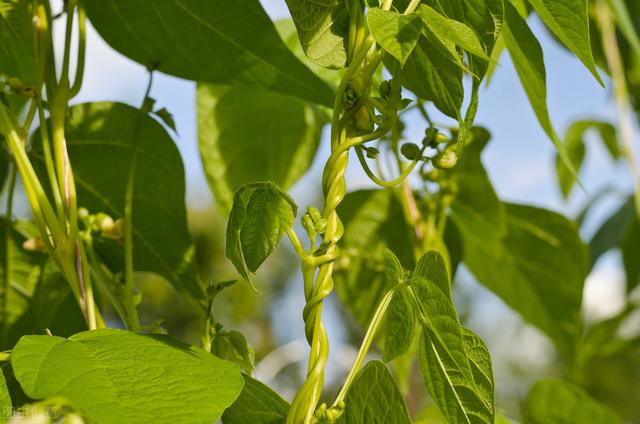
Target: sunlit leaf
115	376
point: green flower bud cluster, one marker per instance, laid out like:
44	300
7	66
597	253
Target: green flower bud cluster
103	224
14	85
326	415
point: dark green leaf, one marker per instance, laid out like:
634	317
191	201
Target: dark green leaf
452	30
17	40
528	60
538	268
374	398
373	220
477	211
233	346
261	215
560	402
396	33
5	400
446	355
104	141
257	404
322	28
569	21
37	296
485	17
612	232
231	42
246	136
115	376
432	73
400	321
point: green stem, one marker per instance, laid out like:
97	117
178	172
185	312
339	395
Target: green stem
128	220
388	184
82	45
621	92
369	336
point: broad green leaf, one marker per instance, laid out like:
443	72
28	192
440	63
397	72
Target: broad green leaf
105	140
373	221
455	364
612	231
231	42
569	21
5	400
246	136
17	40
374	398
610	376
452	30
477	211
538	268
261	215
560	402
36	296
432	73
233	346
257	404
400	321
322	28
575	147
485	17
528	60
397	34
620	231
115	376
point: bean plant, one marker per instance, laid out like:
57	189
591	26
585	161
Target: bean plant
106	186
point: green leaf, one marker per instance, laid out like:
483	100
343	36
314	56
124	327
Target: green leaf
17	40
322	28
452	30
621	230
569	21
373	221
575	147
36	296
245	136
612	231
485	17
233	346
455	364
115	376
5	400
528	60
257	404
233	43
537	267
433	73
104	139
261	215
397	34
400	321
557	401
374	398
477	211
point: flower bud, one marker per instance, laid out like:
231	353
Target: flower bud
446	159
